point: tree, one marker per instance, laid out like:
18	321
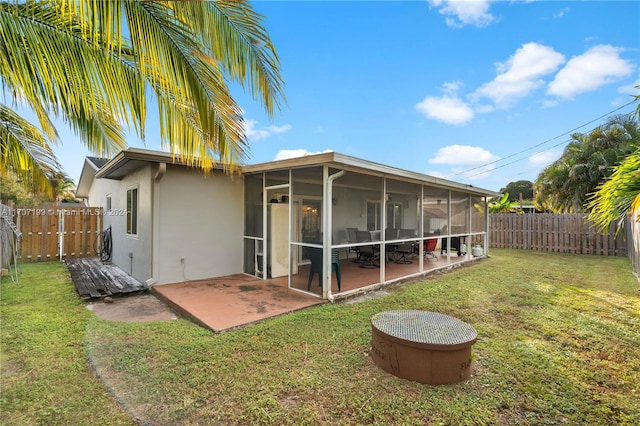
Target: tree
619	196
64	189
503	205
587	161
25	155
12	189
524	187
96	63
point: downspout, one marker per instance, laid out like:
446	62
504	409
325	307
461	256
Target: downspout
327	235
155	223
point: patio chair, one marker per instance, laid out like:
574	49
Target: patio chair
367	253
407	249
404	250
351	234
315	255
430	247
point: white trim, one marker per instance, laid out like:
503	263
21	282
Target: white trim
135	187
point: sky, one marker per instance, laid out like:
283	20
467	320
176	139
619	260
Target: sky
479	92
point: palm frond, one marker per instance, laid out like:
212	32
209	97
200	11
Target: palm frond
71	59
50	67
619	196
25	151
187	51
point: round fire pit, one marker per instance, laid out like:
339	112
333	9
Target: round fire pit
426	347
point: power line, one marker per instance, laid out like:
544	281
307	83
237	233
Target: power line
515	161
536	145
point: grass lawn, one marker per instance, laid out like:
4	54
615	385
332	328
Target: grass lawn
559	343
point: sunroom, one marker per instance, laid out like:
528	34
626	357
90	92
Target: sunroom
334	225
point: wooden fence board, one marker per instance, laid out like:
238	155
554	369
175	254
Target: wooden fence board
45	228
560	233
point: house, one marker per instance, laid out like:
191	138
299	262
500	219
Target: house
172	223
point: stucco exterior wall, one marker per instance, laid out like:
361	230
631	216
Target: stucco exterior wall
131	253
200	221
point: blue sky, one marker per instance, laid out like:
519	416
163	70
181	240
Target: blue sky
481	92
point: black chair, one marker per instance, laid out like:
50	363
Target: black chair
315	255
404	250
351	234
389	235
367	253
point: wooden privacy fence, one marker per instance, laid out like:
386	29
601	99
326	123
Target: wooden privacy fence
561	233
56	233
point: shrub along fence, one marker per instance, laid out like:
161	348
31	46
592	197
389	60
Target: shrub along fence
561	233
56	232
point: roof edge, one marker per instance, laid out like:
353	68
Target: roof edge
339	160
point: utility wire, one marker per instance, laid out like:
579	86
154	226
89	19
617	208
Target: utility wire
515	161
535	146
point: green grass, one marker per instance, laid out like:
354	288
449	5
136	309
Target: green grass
559	343
46	378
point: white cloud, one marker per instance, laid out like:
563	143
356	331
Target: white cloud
463	155
630	89
255	133
451	87
285	154
460	13
521	74
469	162
626	93
448	108
596	67
561	13
542	159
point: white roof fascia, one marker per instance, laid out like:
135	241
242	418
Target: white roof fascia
87	175
339	161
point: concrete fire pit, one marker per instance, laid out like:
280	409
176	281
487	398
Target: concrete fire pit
422	346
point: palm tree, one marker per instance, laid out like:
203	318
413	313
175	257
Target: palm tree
96	63
25	153
64	188
504	205
619	196
587	161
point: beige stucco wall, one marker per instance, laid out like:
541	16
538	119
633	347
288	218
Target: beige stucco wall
200	220
138	264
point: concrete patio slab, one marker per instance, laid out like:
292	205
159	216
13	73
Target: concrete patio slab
225	303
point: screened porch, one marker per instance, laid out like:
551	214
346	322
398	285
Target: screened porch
334	225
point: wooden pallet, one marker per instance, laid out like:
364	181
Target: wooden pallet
93	279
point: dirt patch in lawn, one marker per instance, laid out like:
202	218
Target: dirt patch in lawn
135	308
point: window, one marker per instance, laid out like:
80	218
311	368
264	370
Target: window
373	215
132	211
394	215
109	203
